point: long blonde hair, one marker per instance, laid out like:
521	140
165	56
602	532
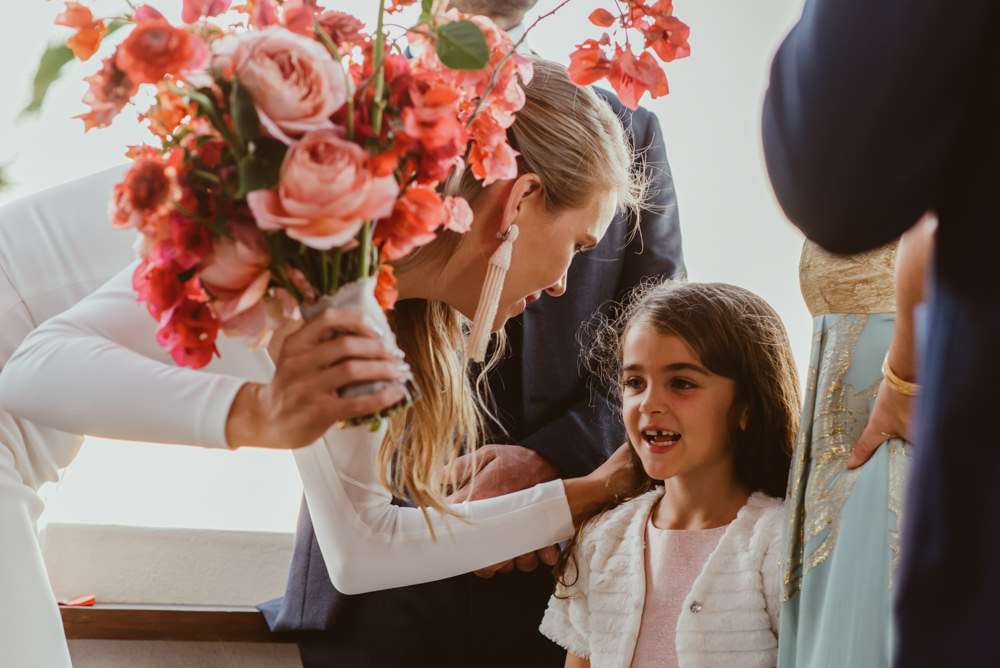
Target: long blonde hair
573	141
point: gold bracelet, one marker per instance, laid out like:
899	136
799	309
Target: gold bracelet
896	383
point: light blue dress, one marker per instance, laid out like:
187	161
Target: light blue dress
842	526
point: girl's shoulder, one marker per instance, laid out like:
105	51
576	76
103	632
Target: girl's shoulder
762	517
612	526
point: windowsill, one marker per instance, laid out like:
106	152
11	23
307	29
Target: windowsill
145	566
168	622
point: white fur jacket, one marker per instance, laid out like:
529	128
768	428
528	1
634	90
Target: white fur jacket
729	619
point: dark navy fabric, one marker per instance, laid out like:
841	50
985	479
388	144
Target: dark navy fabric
880	110
466	620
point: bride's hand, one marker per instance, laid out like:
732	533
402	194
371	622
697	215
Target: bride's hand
337	348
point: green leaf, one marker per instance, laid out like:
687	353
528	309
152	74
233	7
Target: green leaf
426	7
462	46
244	115
50	68
260	168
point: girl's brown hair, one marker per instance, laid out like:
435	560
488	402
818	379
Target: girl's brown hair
573	141
735	334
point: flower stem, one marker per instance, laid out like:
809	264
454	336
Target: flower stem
365	250
379	74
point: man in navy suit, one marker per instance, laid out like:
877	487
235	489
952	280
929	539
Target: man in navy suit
558	425
876	113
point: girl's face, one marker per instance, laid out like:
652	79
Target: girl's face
679	416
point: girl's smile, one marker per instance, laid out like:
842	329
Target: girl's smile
679	416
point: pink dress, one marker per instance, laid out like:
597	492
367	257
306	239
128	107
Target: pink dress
673	560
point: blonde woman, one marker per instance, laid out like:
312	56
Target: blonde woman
97	369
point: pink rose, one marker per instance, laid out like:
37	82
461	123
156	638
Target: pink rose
324	194
294	82
236	273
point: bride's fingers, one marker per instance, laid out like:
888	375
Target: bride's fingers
350	371
346	347
371	403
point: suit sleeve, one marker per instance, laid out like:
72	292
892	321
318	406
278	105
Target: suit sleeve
590	429
865	103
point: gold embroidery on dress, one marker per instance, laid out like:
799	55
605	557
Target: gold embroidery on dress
858	283
836	412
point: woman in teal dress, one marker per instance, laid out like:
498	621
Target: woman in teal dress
842	541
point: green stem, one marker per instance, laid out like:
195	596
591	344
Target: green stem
379	73
335	52
365	250
213	115
338	254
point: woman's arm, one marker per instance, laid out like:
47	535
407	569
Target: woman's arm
573	661
97	369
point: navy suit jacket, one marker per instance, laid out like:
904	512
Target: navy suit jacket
552	409
880	110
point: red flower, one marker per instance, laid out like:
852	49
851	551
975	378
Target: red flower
490	156
588	63
667	35
156	280
87	39
189	329
153	50
418	213
299	15
631	77
147	184
195	9
192	241
108	93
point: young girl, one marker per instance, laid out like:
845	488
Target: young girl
685	573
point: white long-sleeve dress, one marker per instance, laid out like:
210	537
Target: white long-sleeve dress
97	369
55	247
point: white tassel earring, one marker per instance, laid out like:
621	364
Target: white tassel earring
489	298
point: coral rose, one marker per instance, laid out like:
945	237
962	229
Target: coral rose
153	50
324	194
342	27
293	81
236	272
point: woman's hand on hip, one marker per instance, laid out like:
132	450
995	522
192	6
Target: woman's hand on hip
335	349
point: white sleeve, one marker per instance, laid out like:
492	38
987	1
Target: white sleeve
97	369
567	618
771	569
369	544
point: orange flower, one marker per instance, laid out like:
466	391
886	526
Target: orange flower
153	50
588	63
108	93
490	156
602	18
667	35
89	32
385	288
631	77
417	214
168	112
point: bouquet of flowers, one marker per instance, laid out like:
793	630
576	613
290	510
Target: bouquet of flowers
297	154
